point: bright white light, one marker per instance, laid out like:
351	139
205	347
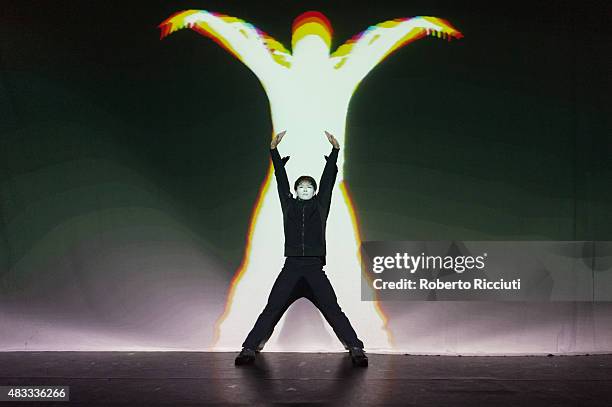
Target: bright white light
309	92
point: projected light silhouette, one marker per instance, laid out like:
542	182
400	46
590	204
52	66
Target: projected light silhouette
309	91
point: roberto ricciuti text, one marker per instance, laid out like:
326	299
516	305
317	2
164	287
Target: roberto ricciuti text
437	284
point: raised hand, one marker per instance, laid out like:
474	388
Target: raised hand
332	140
277	139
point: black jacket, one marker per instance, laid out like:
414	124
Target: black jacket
304	221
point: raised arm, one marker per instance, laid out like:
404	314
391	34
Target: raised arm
328	179
359	55
261	53
282	181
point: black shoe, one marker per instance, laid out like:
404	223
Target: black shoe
246	356
358	356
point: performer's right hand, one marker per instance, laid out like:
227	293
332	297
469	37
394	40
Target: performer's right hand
277	139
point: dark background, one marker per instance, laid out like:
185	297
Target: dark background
502	135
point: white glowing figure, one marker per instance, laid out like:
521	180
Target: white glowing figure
309	92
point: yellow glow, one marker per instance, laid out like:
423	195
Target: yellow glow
309	91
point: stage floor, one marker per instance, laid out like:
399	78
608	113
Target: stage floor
195	378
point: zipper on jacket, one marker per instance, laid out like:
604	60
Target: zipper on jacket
303	230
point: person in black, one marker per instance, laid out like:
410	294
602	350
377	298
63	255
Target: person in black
304	221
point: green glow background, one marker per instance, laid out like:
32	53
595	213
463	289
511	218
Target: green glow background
502	135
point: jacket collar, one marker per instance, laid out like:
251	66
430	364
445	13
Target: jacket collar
304	202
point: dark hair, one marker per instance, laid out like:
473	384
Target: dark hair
306	178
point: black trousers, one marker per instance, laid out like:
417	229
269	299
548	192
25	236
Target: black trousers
301	277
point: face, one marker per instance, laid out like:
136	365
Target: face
305	190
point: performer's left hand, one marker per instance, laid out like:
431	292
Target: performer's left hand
332	140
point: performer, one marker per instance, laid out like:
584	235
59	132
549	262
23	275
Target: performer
304	221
